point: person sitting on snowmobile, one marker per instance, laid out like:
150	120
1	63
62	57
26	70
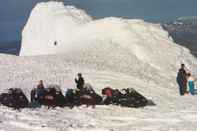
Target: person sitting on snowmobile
80	81
182	80
40	90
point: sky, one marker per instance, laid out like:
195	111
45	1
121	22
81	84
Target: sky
14	13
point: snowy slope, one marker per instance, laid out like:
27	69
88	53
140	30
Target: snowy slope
109	52
172	112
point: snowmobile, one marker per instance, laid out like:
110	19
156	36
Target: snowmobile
132	99
86	96
52	97
127	97
15	98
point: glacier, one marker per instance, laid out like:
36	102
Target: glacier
59	41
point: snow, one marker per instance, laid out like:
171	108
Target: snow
50	22
112	52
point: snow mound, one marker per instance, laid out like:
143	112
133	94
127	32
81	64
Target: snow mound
50	22
134	47
54	28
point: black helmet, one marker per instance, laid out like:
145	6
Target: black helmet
182	65
79	74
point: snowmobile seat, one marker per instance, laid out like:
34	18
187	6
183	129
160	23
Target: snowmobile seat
132	99
87	96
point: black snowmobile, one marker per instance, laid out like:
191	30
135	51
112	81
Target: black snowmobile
130	98
52	97
15	98
86	96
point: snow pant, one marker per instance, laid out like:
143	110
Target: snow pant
191	87
185	87
182	88
35	104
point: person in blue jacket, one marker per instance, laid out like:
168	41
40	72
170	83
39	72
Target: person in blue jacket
191	84
40	90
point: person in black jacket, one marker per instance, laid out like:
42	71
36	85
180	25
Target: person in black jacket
80	81
182	80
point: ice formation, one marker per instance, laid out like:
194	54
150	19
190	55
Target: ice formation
50	28
53	28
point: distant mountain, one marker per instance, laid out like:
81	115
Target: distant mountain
184	32
189	19
12	47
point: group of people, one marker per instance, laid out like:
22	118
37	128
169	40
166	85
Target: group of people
38	93
186	81
83	94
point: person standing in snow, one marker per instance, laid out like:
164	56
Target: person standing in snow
182	80
191	84
80	81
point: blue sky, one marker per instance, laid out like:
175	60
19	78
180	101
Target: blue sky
150	10
14	13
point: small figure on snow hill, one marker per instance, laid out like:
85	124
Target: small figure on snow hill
191	84
80	81
182	80
40	90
